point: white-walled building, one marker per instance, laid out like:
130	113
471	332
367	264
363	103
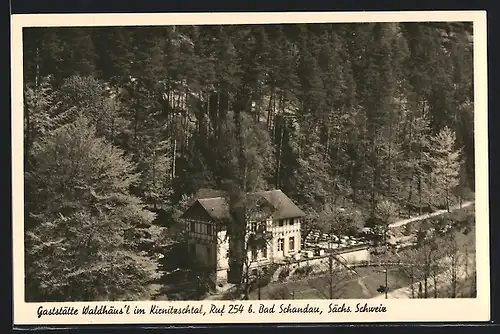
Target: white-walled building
208	219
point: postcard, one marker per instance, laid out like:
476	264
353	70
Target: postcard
295	167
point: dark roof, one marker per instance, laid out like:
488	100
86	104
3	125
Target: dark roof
208	193
217	208
284	206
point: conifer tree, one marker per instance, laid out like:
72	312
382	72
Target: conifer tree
444	164
82	230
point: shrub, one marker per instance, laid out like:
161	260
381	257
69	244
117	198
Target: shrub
303	271
279	293
283	274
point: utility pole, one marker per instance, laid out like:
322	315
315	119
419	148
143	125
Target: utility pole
330	260
474	286
466	263
330	265
386	252
258	283
385	271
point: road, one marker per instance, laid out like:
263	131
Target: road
433	214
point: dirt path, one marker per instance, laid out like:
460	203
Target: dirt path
363	286
433	214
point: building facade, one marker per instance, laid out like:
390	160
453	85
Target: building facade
209	244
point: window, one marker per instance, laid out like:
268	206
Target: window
264	252
291	244
209	229
192	227
292	221
254	255
280	222
281	244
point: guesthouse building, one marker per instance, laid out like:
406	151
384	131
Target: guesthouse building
208	220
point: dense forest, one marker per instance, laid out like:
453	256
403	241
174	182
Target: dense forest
120	122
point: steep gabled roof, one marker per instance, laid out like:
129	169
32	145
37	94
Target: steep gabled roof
217	208
284	206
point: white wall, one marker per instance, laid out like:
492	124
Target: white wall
222	251
214	252
285	232
356	255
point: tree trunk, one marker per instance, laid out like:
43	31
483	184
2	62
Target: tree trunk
174	157
412	280
419	194
374	177
453	277
269	113
466	264
37	72
411	176
27	147
154	178
327	144
136	124
410	193
389	185
447	200
425	286
435	285
278	162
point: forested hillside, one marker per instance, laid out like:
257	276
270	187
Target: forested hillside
118	119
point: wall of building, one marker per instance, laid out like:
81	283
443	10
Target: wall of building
203	252
202	243
222	251
273	253
285	231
